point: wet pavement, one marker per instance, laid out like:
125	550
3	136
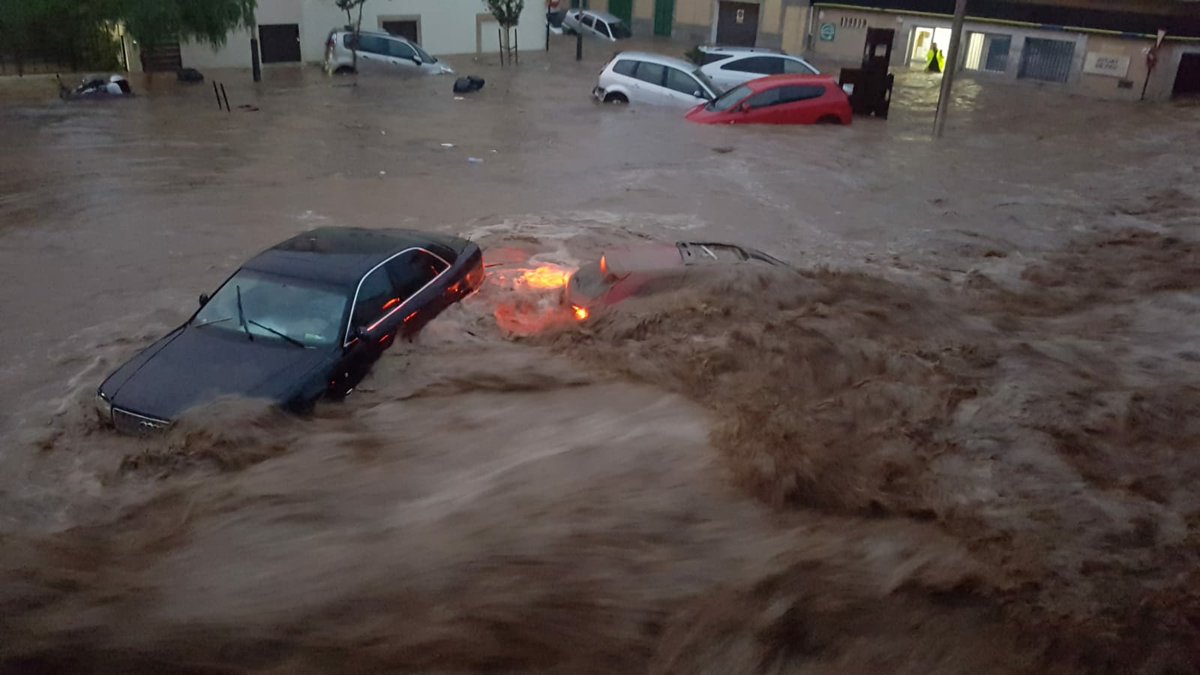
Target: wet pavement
960	434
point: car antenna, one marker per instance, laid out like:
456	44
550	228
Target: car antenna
242	314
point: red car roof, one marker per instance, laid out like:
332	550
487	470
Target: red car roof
779	80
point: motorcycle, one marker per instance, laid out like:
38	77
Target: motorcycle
95	88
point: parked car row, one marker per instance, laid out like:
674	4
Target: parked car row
732	85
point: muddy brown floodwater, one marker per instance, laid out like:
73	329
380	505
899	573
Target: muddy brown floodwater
962	434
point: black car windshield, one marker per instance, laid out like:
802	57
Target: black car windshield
729	99
270	307
619	30
712	86
426	57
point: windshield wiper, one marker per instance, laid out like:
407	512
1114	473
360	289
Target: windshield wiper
289	338
242	314
209	323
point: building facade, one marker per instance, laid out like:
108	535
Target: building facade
1092	47
1106	57
296	30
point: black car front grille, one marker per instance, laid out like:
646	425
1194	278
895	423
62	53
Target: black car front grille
133	423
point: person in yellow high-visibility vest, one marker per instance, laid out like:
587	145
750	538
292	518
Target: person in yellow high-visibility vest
937	60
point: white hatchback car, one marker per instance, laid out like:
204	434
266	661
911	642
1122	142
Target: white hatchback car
596	24
641	77
379	52
729	67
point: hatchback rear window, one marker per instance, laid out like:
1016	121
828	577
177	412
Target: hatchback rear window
625	67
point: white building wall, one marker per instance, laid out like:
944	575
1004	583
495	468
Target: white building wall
446	27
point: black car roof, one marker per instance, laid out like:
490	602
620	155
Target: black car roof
342	255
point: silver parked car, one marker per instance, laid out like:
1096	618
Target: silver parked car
729	67
641	77
597	24
378	52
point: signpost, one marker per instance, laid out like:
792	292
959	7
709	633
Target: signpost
939	119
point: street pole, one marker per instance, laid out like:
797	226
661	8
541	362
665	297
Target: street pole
939	119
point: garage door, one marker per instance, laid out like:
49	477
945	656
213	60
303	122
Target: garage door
1187	78
1046	60
737	24
280	42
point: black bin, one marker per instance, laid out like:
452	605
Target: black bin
870	90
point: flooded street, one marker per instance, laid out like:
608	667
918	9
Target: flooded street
961	433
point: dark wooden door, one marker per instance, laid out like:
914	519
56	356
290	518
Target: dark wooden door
280	42
664	16
737	24
1187	78
622	9
405	28
162	57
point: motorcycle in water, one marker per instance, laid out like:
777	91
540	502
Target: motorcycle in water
95	88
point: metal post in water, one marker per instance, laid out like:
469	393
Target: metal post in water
217	94
255	65
516	36
939	119
500	40
225	97
578	46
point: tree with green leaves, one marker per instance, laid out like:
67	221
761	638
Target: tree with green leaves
348	6
208	21
508	15
73	29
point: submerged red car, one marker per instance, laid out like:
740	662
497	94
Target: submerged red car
778	99
626	272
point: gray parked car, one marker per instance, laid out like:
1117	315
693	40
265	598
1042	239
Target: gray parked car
379	52
642	77
597	24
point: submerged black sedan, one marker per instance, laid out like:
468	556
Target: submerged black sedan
300	321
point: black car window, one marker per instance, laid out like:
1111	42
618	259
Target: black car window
625	67
764	99
373	44
602	28
677	80
400	50
759	65
791	94
411	271
711	57
651	72
620	31
376	296
586	20
797	67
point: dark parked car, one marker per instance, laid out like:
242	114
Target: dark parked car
300	321
622	273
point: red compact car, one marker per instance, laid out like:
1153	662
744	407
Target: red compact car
778	99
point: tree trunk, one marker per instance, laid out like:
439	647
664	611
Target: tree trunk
357	30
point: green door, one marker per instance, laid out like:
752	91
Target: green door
664	16
622	9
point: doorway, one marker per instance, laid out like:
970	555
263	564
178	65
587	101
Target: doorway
664	16
924	38
1187	78
406	28
737	24
280	42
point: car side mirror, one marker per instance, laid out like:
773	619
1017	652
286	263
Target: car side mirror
417	59
698	94
203	299
745	108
